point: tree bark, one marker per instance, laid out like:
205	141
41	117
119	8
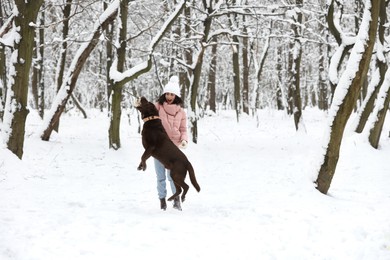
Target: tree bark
279	96
245	69
64	47
236	77
369	102
197	72
383	99
259	68
236	65
3	80
381	108
3	71
116	96
38	77
110	56
16	103
343	108
76	102
211	83
187	75
322	82
295	75
323	88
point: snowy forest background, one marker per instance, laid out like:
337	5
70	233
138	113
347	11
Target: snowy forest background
241	55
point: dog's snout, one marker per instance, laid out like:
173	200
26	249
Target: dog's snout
137	102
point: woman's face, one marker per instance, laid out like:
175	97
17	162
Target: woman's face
170	97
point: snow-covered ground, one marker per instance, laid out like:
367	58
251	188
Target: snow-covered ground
73	198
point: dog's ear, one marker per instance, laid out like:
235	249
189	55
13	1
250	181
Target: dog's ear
144	100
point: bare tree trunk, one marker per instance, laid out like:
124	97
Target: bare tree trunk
3	71
177	70
290	92
101	95
187	75
173	69
212	78
323	88
350	82
64	46
236	77
295	59
279	96
379	114
236	65
116	96
3	80
194	92
359	10
368	104
38	79
383	99
78	105
110	55
16	103
245	69
374	87
197	73
259	68
35	75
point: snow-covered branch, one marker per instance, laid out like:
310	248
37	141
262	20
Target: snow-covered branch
8	24
8	32
134	72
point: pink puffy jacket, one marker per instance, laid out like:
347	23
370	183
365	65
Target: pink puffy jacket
174	120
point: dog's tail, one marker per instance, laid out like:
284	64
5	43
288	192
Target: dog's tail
192	176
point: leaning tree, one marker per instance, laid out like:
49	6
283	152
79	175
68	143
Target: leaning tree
15	113
347	92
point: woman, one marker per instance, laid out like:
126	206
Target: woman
174	121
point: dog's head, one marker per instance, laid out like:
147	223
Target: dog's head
146	108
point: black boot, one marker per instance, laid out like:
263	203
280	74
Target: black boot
163	204
176	203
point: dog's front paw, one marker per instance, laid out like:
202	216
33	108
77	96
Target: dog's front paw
141	166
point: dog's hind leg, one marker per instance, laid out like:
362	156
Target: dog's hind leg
185	187
178	190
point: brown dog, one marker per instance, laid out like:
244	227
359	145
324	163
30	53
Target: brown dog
157	144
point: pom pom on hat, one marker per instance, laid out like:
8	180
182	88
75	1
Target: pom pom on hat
173	86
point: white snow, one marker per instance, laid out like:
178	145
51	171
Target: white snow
73	198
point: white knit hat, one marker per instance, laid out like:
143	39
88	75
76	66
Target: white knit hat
173	86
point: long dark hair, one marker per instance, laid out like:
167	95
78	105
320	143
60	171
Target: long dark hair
177	101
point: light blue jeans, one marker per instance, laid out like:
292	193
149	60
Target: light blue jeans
162	174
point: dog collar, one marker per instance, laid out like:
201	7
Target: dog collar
150	118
